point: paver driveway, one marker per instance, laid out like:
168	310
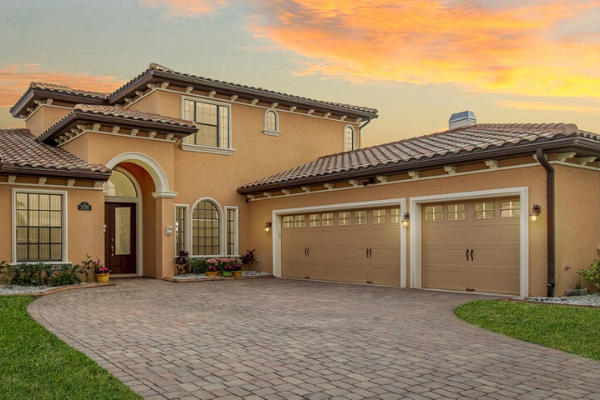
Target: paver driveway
276	338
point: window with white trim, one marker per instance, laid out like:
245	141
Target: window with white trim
231	231
180	228
379	216
433	213
456	212
344	218
484	210
327	219
39	226
395	215
314	220
212	120
510	209
288	222
205	229
360	217
299	221
348	138
271	121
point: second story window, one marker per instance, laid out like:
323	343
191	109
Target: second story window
348	138
213	121
271	122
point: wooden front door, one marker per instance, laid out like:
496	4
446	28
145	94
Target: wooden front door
120	238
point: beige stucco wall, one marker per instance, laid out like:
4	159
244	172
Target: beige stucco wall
45	117
577	223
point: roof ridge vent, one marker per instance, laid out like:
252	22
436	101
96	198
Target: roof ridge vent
460	119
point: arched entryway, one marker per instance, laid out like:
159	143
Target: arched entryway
138	204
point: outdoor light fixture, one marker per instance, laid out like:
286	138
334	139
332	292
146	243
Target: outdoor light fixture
405	219
536	209
268	226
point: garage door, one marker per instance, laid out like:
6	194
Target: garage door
472	245
360	246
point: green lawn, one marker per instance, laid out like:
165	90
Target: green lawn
572	329
34	364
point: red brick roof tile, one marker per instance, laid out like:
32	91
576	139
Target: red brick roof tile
128	113
404	154
20	149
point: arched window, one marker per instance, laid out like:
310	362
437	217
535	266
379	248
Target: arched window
271	121
120	185
205	229
348	138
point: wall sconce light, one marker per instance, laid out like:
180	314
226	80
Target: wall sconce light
268	226
536	209
405	219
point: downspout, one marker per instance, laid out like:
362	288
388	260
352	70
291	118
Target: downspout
360	132
551	228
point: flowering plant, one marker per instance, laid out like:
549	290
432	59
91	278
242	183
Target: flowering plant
228	267
99	268
237	267
212	268
221	262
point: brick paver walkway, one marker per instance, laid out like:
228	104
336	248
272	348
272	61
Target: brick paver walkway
275	338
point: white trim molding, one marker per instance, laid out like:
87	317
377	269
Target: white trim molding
277	216
222	150
416	230
161	183
222	227
236	230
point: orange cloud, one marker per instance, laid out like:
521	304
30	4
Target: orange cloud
15	80
544	106
185	8
526	48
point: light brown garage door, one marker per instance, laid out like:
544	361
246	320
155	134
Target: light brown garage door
346	246
472	245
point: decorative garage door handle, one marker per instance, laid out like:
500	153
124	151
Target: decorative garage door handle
367	253
305	251
370	253
308	251
471	254
467	254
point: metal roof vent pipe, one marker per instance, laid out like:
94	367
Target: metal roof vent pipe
465	118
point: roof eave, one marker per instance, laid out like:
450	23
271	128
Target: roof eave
36	94
55	173
437	161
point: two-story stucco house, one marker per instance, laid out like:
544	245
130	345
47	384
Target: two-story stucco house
174	161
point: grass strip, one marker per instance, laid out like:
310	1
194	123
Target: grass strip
35	364
571	329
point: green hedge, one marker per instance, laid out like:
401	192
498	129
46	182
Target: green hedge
40	274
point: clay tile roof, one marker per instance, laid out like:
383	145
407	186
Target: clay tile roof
66	89
131	114
406	153
19	150
235	86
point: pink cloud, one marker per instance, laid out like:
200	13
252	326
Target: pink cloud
185	8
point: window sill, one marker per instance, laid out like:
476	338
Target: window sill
271	133
42	262
206	149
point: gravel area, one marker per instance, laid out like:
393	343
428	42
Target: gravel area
16	289
589	300
203	276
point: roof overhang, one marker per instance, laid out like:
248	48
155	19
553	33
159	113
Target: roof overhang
29	100
74	173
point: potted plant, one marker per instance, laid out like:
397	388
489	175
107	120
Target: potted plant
182	262
212	270
592	275
249	259
237	269
102	272
228	270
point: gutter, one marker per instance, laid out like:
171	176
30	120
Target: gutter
360	132
551	226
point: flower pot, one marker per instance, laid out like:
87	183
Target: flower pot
102	278
211	274
237	273
227	273
220	273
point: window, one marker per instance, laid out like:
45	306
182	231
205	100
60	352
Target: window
327	219
212	121
232	231
379	216
344	218
395	215
484	210
288	222
271	122
120	185
180	228
205	229
314	220
456	212
360	217
433	213
299	221
510	209
348	138
39	226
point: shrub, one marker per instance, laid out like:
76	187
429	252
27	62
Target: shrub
40	274
182	262
592	275
249	258
198	266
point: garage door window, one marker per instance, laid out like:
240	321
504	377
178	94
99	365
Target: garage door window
288	222
510	209
314	220
433	213
379	216
344	218
299	221
484	211
395	215
327	219
456	212
360	217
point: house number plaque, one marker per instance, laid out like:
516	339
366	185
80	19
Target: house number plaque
84	206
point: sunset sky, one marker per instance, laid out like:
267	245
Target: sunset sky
417	62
